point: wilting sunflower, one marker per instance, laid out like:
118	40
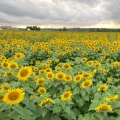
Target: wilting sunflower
24	73
5	87
87	75
103	107
60	76
41	90
66	96
103	87
14	96
78	78
7	74
113	98
68	78
13	65
49	75
86	83
57	69
46	101
40	81
4	64
66	66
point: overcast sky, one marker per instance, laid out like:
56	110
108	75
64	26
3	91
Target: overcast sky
60	13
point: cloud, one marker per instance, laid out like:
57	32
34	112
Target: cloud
59	12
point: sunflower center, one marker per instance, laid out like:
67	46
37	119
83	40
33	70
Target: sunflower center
1	97
40	81
86	83
18	56
66	95
77	78
24	72
42	90
60	76
5	64
49	75
13	95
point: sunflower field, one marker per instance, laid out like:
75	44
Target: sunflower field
59	75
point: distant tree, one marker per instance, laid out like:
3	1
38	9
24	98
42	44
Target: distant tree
64	29
33	28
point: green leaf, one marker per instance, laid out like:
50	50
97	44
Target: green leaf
67	109
14	84
83	92
56	108
3	106
63	103
80	117
55	118
43	112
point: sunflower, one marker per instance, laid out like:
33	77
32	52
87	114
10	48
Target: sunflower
14	96
46	101
87	75
57	69
5	87
66	96
12	65
37	62
86	83
66	66
40	81
7	74
77	78
103	107
48	70
84	59
49	75
41	90
68	78
19	56
103	87
113	98
41	71
24	73
60	76
4	64
90	63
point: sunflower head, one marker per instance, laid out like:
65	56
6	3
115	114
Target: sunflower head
78	78
14	96
103	87
40	81
4	64
68	78
5	87
60	76
19	56
13	65
24	73
41	90
66	96
86	83
49	75
103	107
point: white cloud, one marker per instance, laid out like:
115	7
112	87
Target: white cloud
59	12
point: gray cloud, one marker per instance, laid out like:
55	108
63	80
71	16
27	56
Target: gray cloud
59	12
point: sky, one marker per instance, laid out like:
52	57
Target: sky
60	13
